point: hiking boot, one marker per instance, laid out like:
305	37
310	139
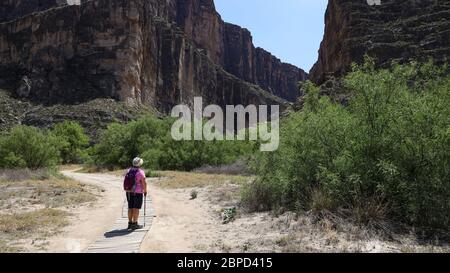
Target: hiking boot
130	226
136	226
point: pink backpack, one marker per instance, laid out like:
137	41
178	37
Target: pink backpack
129	183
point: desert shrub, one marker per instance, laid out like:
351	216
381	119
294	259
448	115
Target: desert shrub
16	174
194	194
72	141
150	138
152	174
388	149
188	155
111	148
120	143
28	147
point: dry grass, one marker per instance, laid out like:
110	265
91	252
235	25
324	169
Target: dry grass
51	193
69	167
22	224
6	248
36	224
180	180
227	195
34	205
329	232
98	169
424	249
8	175
320	201
239	167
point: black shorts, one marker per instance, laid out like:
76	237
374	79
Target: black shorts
135	200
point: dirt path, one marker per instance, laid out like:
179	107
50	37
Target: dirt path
180	225
90	222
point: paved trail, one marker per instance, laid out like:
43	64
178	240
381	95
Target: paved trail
116	239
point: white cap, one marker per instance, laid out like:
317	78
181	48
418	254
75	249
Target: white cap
137	162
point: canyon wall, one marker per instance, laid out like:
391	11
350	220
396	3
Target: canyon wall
231	47
155	52
395	30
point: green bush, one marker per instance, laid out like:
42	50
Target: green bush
386	154
150	138
152	174
72	141
188	155
111	148
28	147
120	143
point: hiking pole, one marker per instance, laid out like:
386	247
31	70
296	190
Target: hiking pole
145	208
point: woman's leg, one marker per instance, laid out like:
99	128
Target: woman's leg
135	215
130	211
130	215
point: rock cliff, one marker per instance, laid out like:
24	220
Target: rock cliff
394	30
153	52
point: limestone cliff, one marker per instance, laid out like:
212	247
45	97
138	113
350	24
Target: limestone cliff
154	52
394	30
232	48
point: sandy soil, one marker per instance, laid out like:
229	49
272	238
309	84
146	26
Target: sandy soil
91	221
185	225
181	225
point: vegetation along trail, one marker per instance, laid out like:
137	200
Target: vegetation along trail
186	222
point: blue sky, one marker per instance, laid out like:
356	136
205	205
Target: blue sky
291	29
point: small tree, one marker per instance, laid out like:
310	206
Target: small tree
28	147
72	141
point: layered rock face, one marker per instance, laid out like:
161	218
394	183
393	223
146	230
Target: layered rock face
394	30
154	52
13	9
258	66
232	48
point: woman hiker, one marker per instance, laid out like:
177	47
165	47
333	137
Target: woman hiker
135	186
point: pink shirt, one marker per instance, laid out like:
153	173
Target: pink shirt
140	176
